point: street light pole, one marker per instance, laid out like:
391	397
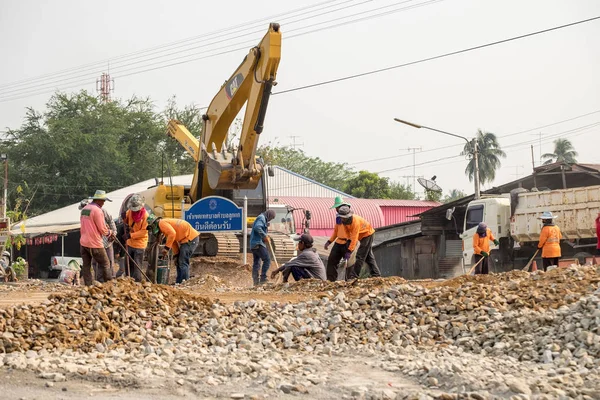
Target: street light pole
473	142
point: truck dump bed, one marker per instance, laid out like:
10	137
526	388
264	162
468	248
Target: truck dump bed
576	208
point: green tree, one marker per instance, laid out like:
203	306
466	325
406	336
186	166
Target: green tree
454	194
368	185
328	173
431	195
80	144
401	192
489	157
563	152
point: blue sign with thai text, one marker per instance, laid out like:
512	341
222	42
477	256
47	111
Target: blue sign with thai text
215	214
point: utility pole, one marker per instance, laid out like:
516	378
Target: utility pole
105	85
532	158
408	177
294	144
414	175
4	157
476	173
539	135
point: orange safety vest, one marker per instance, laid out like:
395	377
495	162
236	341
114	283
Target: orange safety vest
138	231
550	241
359	229
482	243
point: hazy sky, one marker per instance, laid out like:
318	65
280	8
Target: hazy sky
505	89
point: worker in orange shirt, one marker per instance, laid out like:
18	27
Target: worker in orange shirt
182	239
358	230
481	247
549	240
136	236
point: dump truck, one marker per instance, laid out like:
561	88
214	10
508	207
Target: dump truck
514	220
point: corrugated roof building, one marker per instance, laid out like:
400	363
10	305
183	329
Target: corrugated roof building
288	183
378	212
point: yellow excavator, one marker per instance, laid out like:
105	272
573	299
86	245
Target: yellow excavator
230	174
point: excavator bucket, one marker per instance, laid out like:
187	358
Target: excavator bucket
222	173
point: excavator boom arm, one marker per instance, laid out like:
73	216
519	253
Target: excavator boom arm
250	84
180	133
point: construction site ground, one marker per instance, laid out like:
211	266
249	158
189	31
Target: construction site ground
516	335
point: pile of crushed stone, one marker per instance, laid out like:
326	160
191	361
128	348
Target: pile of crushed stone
119	312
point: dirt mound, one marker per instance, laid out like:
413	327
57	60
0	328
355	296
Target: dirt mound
116	313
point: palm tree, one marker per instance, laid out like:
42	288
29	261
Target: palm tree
489	157
563	152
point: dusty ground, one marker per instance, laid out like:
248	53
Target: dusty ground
351	375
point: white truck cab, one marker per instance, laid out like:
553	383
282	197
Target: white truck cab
495	212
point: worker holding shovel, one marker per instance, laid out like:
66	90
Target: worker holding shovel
549	240
481	248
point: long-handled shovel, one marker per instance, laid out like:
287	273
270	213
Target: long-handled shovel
526	268
279	276
475	266
132	260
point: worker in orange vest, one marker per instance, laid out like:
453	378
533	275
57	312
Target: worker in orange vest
549	240
358	230
182	239
481	247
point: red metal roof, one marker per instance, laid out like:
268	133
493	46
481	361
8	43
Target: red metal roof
378	212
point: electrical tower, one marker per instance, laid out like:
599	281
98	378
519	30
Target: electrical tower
294	144
105	85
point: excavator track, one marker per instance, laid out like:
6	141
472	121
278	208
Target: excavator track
283	246
221	244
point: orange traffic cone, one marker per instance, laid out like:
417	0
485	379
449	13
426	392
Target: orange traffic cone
534	266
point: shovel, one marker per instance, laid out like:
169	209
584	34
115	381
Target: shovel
526	268
280	275
475	266
132	260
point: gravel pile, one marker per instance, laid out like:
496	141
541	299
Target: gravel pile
118	313
515	334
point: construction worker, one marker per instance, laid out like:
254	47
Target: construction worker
339	239
108	242
481	247
182	239
136	236
549	240
7	273
358	230
93	231
308	264
259	239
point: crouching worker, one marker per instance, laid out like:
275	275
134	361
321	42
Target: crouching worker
182	238
307	265
481	247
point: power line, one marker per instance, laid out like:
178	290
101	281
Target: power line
117	68
423	60
461	145
165	57
219	32
186	59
